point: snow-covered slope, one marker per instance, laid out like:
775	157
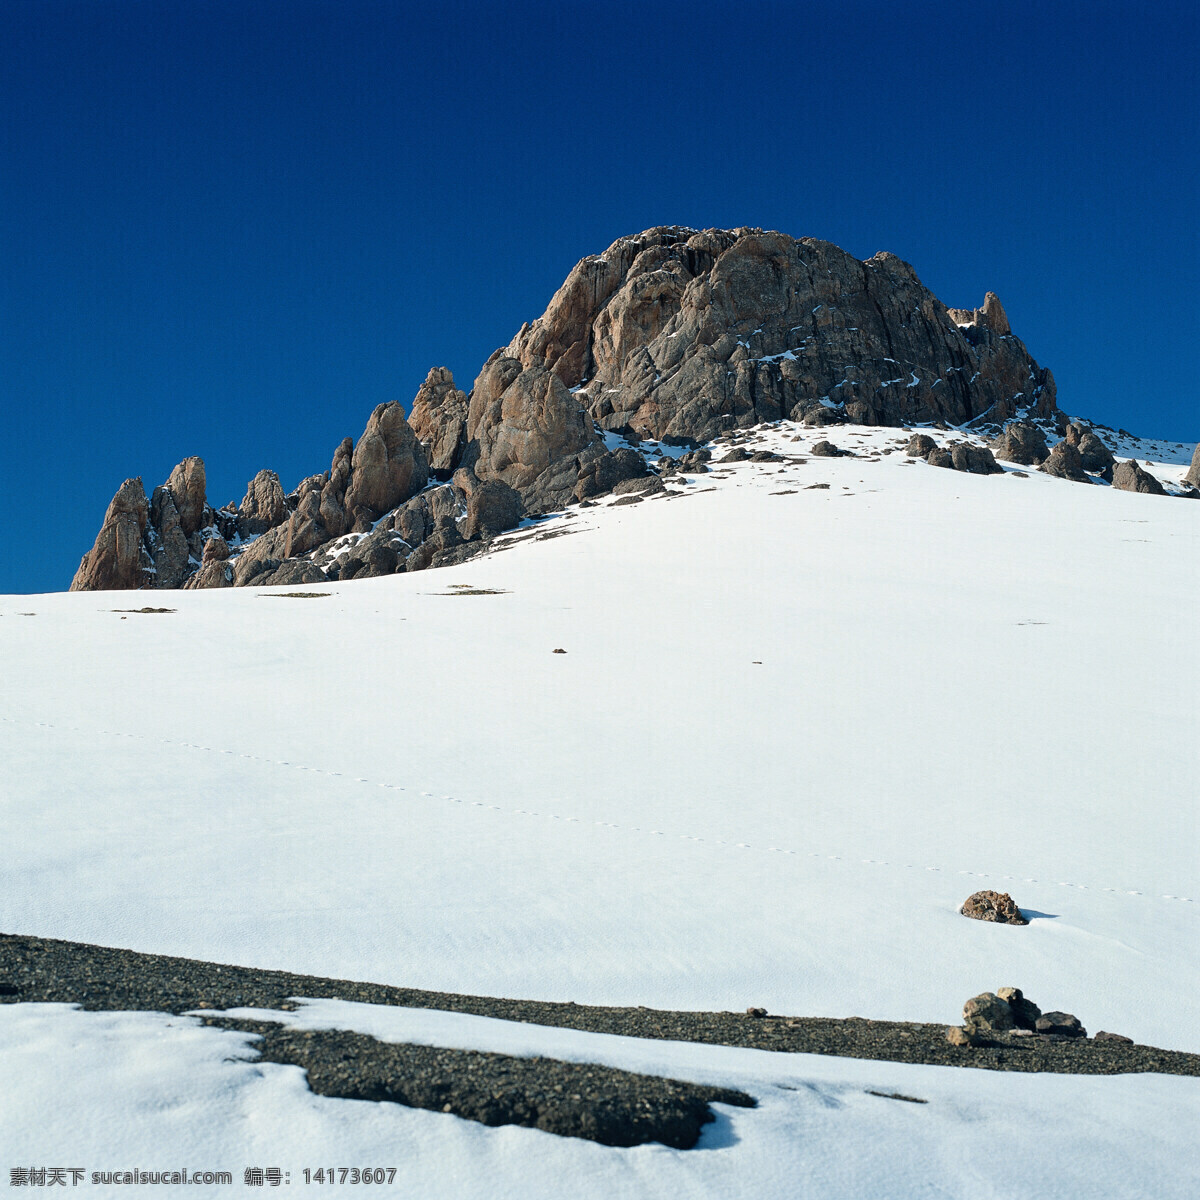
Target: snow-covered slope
794	727
155	1092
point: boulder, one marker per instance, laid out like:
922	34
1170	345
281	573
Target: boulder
1094	455
824	449
263	506
978	460
117	560
818	416
645	485
956	1035
993	906
1021	442
919	445
1105	1036
987	1013
1025	1012
1060	1024
1129	477
964	456
1065	462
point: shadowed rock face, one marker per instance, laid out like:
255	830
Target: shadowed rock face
118	560
166	540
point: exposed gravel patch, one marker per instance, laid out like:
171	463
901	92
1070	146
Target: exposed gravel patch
602	1104
96	977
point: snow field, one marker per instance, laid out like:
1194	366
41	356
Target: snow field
790	734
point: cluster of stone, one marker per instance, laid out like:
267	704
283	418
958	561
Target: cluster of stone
1007	1011
957	456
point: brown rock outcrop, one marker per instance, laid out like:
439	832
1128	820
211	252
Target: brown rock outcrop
524	428
118	560
492	507
991	316
187	484
216	549
439	420
676	332
263	506
262	556
388	466
604	473
166	541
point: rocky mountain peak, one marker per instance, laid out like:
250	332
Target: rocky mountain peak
672	335
685	333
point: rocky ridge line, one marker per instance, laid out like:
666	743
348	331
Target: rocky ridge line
674	335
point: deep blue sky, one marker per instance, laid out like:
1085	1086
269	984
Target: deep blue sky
233	227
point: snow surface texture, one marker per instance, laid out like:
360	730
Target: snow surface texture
794	728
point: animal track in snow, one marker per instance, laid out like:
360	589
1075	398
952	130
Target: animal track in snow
1135	892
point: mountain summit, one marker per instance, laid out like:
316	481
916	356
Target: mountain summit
673	335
